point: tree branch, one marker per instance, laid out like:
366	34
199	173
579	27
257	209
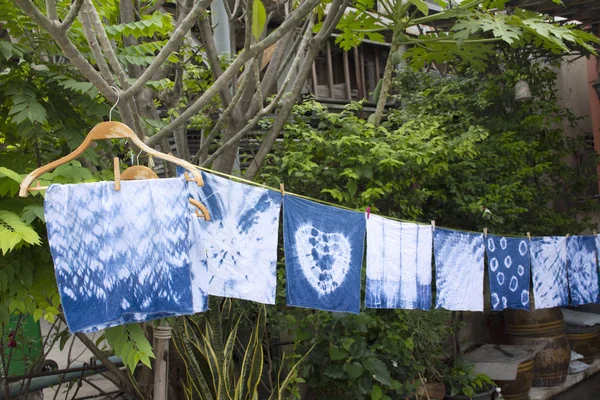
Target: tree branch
51	10
248	25
215	130
275	68
88	31
233	68
206	35
264	111
286	108
68	48
172	44
71	15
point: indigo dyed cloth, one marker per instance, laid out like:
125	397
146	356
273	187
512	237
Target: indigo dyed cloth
199	266
398	264
240	240
582	269
459	270
549	271
508	262
120	256
323	255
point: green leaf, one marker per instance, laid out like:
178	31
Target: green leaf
376	393
334	371
421	6
378	369
37	314
354	369
30	213
352	186
5	172
259	18
13	231
337	354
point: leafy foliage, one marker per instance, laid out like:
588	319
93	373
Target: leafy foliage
150	25
130	343
458	146
462	380
224	359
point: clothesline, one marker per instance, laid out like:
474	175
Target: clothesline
249	182
140	253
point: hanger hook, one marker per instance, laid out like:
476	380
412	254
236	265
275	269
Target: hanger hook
113	107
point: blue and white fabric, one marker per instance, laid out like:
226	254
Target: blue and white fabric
323	255
240	240
398	264
459	270
549	271
120	256
582	270
509	269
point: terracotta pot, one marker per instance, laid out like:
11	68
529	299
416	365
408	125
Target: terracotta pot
435	390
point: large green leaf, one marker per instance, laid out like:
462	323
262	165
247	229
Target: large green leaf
378	369
13	232
353	369
259	18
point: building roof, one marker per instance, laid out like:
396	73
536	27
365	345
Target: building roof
584	11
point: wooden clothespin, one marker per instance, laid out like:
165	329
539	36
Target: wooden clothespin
594	232
484	232
433	224
117	169
567	236
187	177
282	188
529	236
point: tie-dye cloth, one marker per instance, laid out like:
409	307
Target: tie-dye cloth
398	264
323	255
120	256
549	271
508	261
459	270
240	240
582	270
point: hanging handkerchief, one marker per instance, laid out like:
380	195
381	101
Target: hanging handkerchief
582	270
459	270
508	261
120	256
240	240
323	255
398	264
549	271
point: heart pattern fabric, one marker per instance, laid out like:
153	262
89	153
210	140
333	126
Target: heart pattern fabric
324	258
324	250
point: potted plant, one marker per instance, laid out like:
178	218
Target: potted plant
463	383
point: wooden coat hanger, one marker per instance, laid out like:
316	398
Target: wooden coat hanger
103	131
139	172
